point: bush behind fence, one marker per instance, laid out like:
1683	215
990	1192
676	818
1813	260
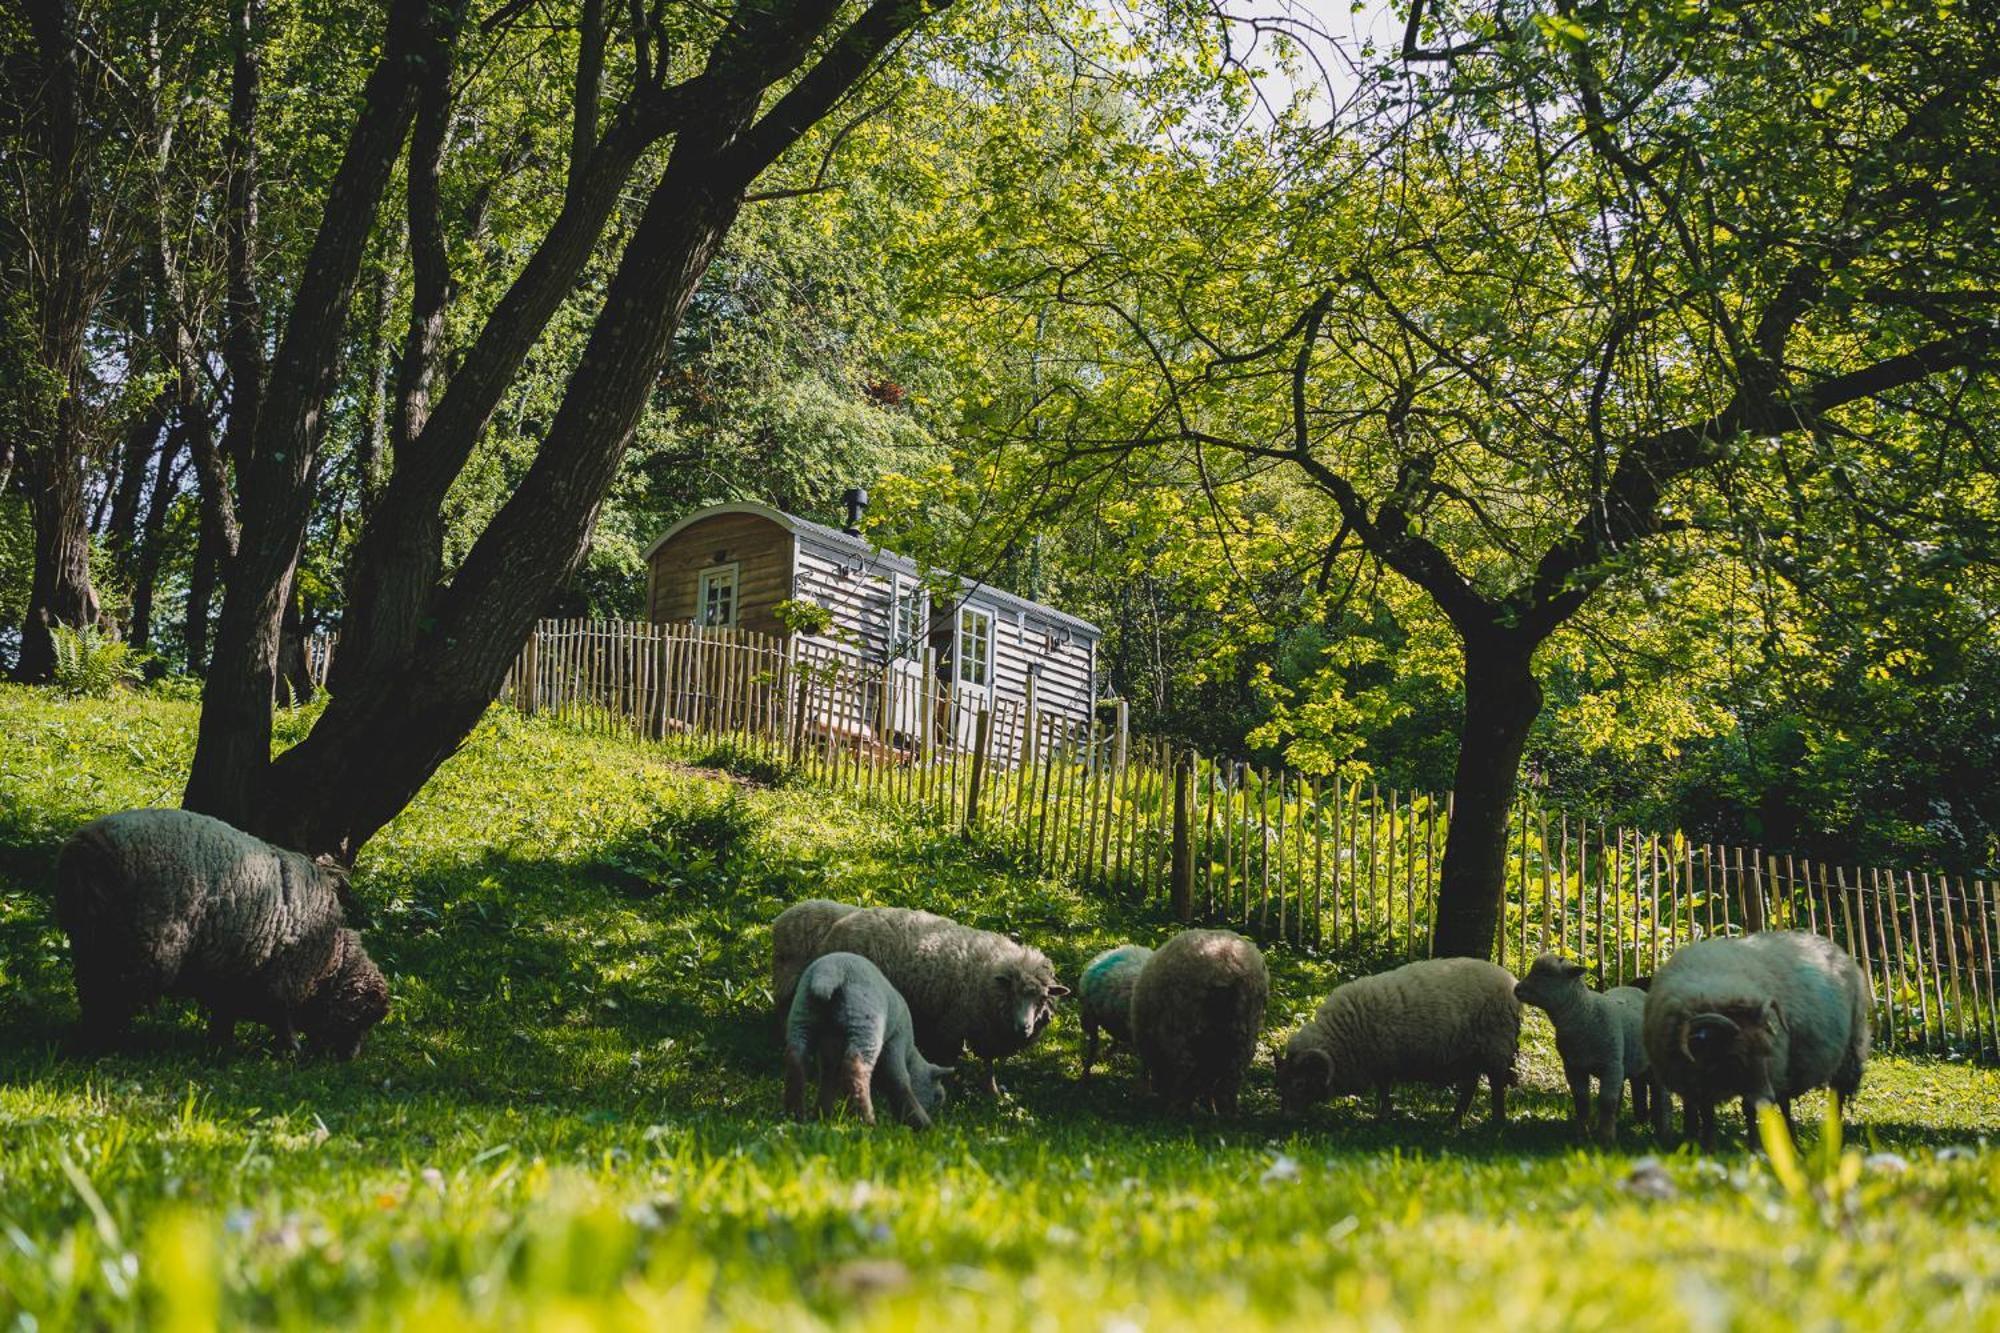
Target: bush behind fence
1324	864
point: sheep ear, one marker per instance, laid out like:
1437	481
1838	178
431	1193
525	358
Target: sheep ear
1573	970
1057	991
944	1073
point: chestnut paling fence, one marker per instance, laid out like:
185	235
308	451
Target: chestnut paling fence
1281	856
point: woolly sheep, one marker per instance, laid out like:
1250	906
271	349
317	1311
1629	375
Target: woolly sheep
795	937
1443	1020
1599	1036
1105	995
1764	1017
964	986
1197	1008
167	902
848	1024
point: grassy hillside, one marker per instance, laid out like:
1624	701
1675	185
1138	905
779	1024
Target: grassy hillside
572	1114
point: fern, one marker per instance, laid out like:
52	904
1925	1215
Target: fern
91	664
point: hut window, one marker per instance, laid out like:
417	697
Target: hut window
906	620
975	647
716	600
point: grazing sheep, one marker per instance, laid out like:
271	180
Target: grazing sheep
1443	1020
1197	1008
167	902
849	1024
1599	1036
1764	1017
965	986
795	938
1105	992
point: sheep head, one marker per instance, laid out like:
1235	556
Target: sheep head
1552	981
1027	990
352	999
1305	1077
930	1083
1730	1048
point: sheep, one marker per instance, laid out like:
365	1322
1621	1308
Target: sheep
1197	1007
1106	993
1444	1021
1598	1036
848	1022
795	937
1764	1017
964	986
168	902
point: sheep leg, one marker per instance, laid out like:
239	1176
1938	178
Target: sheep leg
1382	1101
221	1029
1704	1113
1579	1091
992	1080
284	1037
795	1082
1465	1095
1498	1086
1663	1113
829	1087
902	1098
1641	1085
1610	1092
857	1077
1089	1047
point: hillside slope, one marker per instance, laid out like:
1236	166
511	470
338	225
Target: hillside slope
573	1108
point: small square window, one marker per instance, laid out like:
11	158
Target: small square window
907	620
975	647
715	600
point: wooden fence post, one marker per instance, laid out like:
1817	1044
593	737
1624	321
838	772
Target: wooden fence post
1183	870
982	736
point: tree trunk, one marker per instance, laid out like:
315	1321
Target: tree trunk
233	745
151	540
1502	701
384	733
208	553
60	592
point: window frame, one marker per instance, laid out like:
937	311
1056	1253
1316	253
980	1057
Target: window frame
711	577
904	590
985	644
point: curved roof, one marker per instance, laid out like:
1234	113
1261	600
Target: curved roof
884	560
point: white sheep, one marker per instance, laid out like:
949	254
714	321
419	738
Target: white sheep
1105	996
1197	1007
1599	1036
795	937
1445	1021
965	987
849	1027
1763	1017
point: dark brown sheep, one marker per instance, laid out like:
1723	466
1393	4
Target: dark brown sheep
167	902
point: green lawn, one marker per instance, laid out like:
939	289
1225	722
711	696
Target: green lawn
572	1114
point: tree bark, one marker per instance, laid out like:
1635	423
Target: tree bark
1502	701
60	591
208	556
233	745
152	536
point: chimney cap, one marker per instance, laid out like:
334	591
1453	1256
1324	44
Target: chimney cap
856	500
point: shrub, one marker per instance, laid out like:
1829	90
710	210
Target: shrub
91	664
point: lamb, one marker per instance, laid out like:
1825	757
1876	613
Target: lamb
849	1023
1599	1036
1106	992
1764	1017
1443	1020
168	902
1197	1007
795	937
965	987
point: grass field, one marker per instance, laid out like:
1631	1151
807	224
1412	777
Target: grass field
570	1118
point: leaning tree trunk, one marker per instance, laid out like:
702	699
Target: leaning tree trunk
1502	701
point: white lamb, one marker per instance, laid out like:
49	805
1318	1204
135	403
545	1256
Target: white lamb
1599	1036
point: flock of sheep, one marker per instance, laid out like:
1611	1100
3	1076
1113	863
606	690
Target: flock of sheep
884	1001
881	1003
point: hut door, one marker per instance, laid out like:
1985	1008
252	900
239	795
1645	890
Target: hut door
972	671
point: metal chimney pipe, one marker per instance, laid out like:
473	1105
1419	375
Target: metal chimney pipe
856	501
